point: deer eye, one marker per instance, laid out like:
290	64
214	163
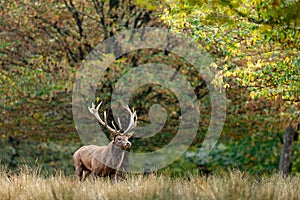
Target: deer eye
119	139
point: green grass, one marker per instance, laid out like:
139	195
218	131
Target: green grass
31	184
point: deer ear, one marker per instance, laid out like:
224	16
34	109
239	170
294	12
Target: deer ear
129	135
112	135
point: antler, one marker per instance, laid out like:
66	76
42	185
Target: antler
133	119
132	123
95	112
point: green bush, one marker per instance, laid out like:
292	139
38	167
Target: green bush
256	154
50	156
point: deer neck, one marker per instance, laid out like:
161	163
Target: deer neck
117	156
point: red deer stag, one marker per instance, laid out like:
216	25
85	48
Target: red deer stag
105	160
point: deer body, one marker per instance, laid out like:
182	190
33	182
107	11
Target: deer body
105	160
100	161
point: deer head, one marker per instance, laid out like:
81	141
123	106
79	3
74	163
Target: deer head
120	138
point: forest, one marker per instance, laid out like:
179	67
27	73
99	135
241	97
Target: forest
220	77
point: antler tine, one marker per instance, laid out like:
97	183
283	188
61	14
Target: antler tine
105	118
119	124
117	131
98	105
135	115
133	119
95	112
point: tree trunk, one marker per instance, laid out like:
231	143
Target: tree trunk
285	159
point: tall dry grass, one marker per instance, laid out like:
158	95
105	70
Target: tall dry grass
30	184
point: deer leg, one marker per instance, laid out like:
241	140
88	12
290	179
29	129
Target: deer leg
93	175
79	171
113	178
120	177
85	174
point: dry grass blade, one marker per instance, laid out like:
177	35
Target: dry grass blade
29	184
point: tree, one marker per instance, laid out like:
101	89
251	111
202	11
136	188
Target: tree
43	44
255	44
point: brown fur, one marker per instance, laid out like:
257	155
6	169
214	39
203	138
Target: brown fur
102	161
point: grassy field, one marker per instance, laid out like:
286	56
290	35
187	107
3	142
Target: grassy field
30	184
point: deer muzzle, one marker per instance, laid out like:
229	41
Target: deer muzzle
128	145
